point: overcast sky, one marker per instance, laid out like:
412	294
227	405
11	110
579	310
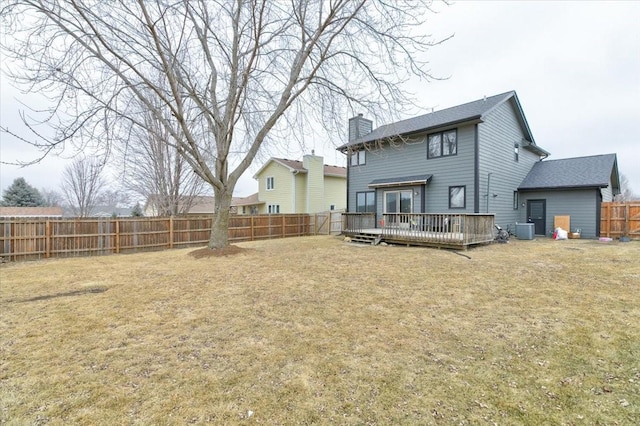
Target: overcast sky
574	65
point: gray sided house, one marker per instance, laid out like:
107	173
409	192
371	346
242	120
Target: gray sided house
573	187
471	158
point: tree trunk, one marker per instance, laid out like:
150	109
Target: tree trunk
220	224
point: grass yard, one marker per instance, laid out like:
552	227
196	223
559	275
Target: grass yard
317	331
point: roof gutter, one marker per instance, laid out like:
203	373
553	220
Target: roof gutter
560	188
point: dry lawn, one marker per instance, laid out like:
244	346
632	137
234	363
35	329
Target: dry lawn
317	331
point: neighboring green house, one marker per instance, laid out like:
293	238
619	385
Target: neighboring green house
291	186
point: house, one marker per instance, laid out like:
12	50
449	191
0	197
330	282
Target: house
469	159
573	187
249	205
187	204
202	205
307	186
105	211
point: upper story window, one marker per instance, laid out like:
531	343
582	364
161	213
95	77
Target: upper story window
357	158
270	183
516	151
442	144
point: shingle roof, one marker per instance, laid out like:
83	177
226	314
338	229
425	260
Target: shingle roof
246	201
581	172
475	110
298	165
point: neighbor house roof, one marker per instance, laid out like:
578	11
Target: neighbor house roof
469	112
250	200
202	204
31	211
296	165
582	172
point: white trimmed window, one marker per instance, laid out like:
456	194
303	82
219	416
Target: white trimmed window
274	208
270	183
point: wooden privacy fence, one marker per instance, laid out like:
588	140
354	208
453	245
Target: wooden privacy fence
36	238
620	220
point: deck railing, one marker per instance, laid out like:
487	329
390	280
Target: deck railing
420	228
358	222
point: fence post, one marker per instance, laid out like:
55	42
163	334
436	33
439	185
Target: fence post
47	241
608	220
117	236
627	219
171	231
283	230
251	226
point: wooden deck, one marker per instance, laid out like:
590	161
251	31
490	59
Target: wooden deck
457	231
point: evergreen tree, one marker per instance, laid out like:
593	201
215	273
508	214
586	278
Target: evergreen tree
21	194
137	210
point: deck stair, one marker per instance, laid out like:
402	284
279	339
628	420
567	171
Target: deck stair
365	238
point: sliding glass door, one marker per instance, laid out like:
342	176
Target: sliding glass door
398	202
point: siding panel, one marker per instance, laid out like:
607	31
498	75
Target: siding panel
580	204
409	159
498	134
282	194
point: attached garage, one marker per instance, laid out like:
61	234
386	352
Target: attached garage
573	187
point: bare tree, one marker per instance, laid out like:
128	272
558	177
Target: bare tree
82	183
236	76
154	169
52	198
626	192
113	198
